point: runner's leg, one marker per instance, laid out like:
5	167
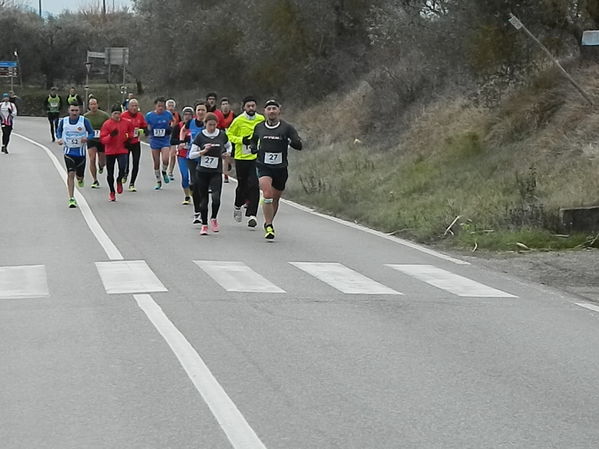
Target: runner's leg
135	152
216	186
93	156
110	160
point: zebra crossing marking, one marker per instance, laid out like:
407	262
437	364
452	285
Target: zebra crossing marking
453	283
23	282
344	279
129	276
237	277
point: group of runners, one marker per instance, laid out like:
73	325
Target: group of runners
204	141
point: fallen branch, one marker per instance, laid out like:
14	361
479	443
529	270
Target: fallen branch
448	230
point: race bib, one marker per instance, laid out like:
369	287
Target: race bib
273	158
73	142
97	133
245	149
159	132
209	162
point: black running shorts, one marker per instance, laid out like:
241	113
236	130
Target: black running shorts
279	176
95	143
76	164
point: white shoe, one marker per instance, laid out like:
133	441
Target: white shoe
237	214
252	222
196	219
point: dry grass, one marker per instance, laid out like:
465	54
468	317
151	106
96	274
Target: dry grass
454	159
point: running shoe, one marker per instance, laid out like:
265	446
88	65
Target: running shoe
72	203
132	188
237	214
204	230
100	170
158	185
214	225
252	222
186	201
165	177
226	181
269	232
196	219
124	179
112	196
171	177
4	149
119	187
95	185
80	183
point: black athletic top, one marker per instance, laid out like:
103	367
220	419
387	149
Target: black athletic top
272	143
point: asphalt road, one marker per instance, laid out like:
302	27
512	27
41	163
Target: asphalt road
347	340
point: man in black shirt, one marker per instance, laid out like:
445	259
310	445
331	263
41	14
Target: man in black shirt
271	141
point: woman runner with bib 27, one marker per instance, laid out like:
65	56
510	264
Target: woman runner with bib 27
210	146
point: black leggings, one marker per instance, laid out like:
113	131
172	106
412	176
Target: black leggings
192	165
6	130
53	118
247	186
135	152
201	185
121	160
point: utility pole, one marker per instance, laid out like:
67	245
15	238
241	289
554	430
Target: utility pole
40	8
516	23
103	8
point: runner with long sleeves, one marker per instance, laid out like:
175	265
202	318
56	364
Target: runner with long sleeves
171	106
159	125
209	147
95	149
73	132
227	118
271	141
139	126
8	112
183	144
247	190
194	127
115	136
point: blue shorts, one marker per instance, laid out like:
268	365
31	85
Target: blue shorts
160	143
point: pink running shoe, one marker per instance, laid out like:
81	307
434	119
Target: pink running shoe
204	230
214	225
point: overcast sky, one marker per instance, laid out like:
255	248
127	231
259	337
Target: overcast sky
57	6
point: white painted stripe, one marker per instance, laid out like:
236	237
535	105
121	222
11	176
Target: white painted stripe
450	282
380	234
344	279
23	282
228	416
129	276
237	277
111	250
592	307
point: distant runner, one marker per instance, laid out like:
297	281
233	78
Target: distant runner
74	98
270	142
159	124
115	136
171	106
139	126
8	112
52	106
209	147
183	145
73	132
95	149
194	127
227	118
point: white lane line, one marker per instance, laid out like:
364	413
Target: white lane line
588	306
228	416
237	277
380	234
129	276
23	282
344	279
111	250
453	283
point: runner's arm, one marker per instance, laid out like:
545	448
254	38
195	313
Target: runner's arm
89	128
295	141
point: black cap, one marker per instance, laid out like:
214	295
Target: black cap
272	102
115	108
